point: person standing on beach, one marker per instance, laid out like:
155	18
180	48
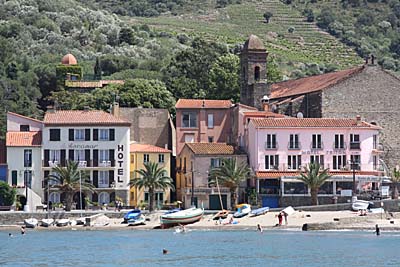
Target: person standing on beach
377	230
22	230
285	215
280	218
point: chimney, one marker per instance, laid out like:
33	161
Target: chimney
115	109
266	106
358	119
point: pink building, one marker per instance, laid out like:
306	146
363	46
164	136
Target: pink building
203	121
278	148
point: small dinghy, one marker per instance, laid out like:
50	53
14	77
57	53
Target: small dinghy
47	222
222	214
62	222
133	214
361	205
31	223
138	221
186	216
259	211
243	210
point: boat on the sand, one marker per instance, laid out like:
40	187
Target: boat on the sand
137	221
361	205
133	214
62	222
259	211
47	222
222	214
186	216
243	210
31	223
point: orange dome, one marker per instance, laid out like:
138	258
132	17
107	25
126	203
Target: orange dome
69	59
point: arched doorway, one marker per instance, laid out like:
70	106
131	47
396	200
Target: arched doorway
77	200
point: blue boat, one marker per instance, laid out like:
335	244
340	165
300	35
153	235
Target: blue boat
259	211
132	215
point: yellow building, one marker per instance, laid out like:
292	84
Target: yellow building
140	154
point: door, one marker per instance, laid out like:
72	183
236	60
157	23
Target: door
272	202
215	204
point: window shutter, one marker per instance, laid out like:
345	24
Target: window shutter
111	157
71	134
87	156
46	157
63	157
87	134
95	157
267	162
112	134
111	177
95	134
96	179
71	154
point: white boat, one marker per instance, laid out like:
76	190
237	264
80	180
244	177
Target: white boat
243	210
62	222
360	205
139	221
47	222
31	223
190	215
73	222
259	211
289	210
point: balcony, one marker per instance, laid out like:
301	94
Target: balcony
53	164
82	164
294	146
105	163
270	146
355	145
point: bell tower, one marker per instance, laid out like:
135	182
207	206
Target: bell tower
253	72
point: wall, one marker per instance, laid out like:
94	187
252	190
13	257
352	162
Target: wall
14	121
373	94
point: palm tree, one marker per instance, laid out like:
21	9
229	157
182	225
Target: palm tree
314	178
230	174
395	181
152	177
67	180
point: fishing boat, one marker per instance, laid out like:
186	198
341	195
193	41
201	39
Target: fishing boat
259	211
47	222
361	205
222	214
137	221
186	216
133	214
31	223
243	210
62	222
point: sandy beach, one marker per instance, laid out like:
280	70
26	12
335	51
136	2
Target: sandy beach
316	220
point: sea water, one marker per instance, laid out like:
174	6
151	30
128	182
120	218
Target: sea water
199	248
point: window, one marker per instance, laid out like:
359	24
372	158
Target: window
339	141
53	182
317	158
375	141
295	188
159	197
210	139
104	179
104	134
189	120
354	141
79	155
375	162
54	134
210	120
104	198
294	162
146	158
271	162
55	156
189	138
271	141
79	134
339	162
160	158
28	178
326	189
104	157
257	73
27	158
294	141
215	162
343	186
54	197
24	128
355	162
316	141
14	178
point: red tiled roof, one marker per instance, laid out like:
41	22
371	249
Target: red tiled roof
82	117
91	84
200	103
24	117
262	114
69	59
147	148
311	84
290	122
24	138
278	174
211	148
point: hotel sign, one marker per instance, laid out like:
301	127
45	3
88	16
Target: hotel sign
322	152
120	162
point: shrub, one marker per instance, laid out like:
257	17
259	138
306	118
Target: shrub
7	194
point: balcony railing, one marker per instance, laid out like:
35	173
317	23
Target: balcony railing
268	145
354	145
338	146
318	146
105	163
53	164
294	145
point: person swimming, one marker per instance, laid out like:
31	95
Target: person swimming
164	251
259	228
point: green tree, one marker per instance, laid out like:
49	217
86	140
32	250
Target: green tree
267	16
74	100
273	73
126	35
152	177
314	178
97	69
7	194
224	78
395	182
69	180
230	174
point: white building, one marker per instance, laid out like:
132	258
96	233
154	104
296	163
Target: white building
97	140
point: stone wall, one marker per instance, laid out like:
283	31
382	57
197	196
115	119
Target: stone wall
375	95
306	200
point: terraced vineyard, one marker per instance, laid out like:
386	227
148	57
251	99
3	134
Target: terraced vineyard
233	24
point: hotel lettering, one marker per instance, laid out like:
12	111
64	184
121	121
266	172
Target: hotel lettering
120	162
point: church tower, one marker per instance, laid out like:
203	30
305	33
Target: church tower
253	72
